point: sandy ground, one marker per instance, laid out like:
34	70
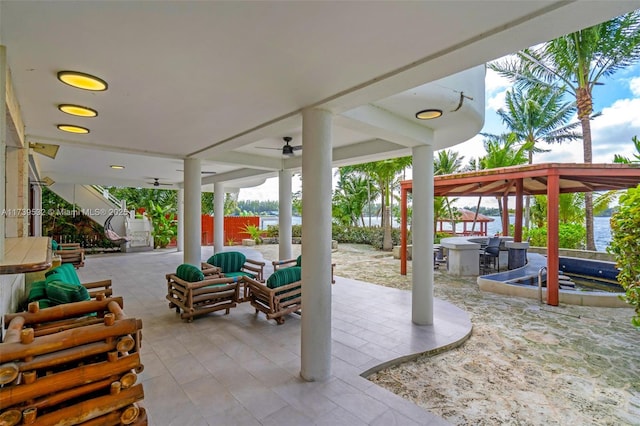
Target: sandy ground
524	364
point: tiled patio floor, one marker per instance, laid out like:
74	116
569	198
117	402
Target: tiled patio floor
240	369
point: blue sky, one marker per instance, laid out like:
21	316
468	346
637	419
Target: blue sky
618	99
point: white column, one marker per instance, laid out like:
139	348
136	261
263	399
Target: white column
180	239
218	217
37	206
422	236
192	224
3	143
284	214
316	245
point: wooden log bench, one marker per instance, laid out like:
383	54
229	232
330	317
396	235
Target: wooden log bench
74	363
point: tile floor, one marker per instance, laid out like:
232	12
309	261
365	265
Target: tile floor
240	369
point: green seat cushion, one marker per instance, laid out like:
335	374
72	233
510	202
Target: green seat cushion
228	261
284	276
37	291
299	261
189	273
59	292
239	274
54	245
65	272
45	303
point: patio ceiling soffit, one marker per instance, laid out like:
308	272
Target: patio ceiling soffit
385	125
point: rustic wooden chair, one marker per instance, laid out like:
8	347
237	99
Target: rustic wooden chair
69	253
280	296
287	263
236	264
193	293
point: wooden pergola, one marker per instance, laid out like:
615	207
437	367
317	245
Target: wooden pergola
550	179
466	217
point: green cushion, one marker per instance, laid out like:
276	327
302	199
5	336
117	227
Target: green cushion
45	303
54	245
299	261
238	274
59	292
189	273
228	261
284	276
37	291
65	272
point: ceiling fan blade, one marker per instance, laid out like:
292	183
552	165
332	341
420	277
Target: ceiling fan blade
297	147
267	147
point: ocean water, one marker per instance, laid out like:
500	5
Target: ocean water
602	229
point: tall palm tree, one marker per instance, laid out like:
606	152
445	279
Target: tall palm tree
576	63
538	115
384	173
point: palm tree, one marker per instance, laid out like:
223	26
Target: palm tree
446	163
503	151
350	198
538	115
575	63
384	173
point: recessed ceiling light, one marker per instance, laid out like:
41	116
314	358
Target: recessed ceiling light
78	110
428	114
82	80
116	166
72	129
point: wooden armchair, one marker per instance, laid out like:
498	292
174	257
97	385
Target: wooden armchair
69	253
236	264
280	296
287	263
191	291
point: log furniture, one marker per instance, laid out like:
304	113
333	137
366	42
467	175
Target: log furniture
62	285
236	264
69	253
75	363
280	296
287	263
192	292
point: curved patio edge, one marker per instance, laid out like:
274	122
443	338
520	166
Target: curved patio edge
403	340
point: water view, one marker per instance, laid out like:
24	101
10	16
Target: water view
602	228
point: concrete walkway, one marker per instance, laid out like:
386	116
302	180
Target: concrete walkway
240	369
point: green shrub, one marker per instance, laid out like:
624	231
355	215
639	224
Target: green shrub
296	231
570	236
272	231
625	246
362	235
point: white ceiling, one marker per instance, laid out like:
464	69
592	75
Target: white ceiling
217	80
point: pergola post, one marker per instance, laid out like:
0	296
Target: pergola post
505	215
553	262
517	237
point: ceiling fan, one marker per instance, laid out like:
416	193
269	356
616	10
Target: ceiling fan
286	149
46	181
202	172
156	182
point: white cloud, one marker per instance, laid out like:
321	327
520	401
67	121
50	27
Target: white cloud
495	82
634	85
496	101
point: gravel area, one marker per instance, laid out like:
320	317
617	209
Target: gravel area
524	364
